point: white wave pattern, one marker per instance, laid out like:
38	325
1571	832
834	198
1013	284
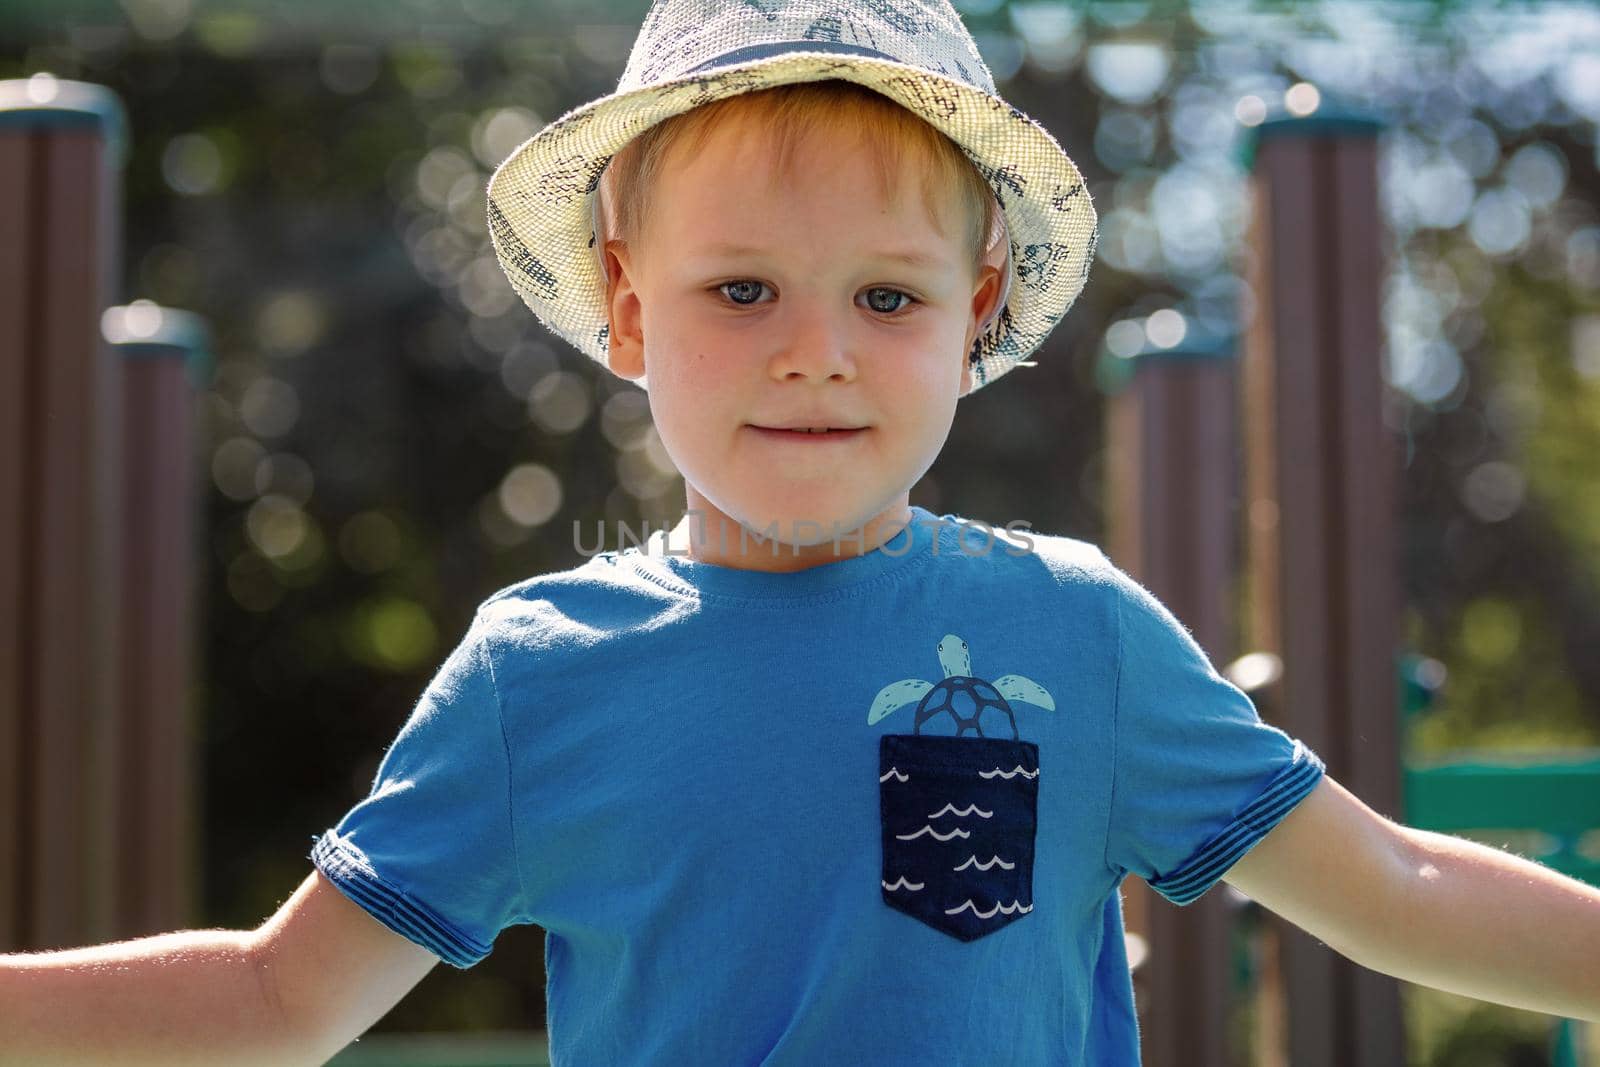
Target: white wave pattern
936	834
972	861
901	883
968	810
894	772
1012	773
1006	909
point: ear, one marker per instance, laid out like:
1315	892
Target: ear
985	303
624	314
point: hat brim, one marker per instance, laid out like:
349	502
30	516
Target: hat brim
541	219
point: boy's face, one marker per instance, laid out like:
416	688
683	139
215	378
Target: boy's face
810	321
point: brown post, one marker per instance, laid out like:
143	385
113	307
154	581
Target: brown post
60	435
164	356
1321	480
1173	495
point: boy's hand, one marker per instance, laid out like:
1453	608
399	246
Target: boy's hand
1427	908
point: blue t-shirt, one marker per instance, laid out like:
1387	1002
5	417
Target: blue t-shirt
874	811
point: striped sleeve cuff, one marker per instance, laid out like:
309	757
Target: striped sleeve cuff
347	867
1206	867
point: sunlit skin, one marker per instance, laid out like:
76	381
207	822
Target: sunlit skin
814	324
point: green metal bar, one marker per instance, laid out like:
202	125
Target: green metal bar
1556	794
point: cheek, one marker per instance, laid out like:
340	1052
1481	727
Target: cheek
674	349
936	381
670	354
691	379
934	368
688	409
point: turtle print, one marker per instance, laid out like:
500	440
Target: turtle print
958	813
959	703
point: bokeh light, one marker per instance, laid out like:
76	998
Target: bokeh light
560	402
1131	72
192	165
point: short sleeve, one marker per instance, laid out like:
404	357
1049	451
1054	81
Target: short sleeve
430	851
1197	777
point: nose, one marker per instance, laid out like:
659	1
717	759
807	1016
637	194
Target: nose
815	344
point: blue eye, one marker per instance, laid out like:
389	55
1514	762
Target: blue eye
732	288
887	310
746	293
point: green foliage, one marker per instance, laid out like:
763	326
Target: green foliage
392	634
1534	329
1504	654
1452	1031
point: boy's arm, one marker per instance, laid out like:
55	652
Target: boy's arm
333	969
192	997
310	980
1427	908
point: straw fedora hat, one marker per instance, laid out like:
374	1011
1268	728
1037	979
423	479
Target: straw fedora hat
544	220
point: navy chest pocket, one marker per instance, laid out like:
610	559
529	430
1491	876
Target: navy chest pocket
958	817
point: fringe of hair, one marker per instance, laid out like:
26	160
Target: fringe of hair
788	114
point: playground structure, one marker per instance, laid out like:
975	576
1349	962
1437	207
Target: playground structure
1291	441
96	477
97	466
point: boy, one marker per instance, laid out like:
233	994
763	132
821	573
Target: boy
817	777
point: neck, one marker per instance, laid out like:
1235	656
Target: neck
720	540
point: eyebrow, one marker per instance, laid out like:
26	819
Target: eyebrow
909	257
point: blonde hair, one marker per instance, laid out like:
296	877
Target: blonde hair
789	113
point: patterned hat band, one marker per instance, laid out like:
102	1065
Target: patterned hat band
778	48
544	215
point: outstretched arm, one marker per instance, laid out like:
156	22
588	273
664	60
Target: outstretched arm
314	977
1428	908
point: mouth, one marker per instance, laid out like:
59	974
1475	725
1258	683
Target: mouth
809	433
